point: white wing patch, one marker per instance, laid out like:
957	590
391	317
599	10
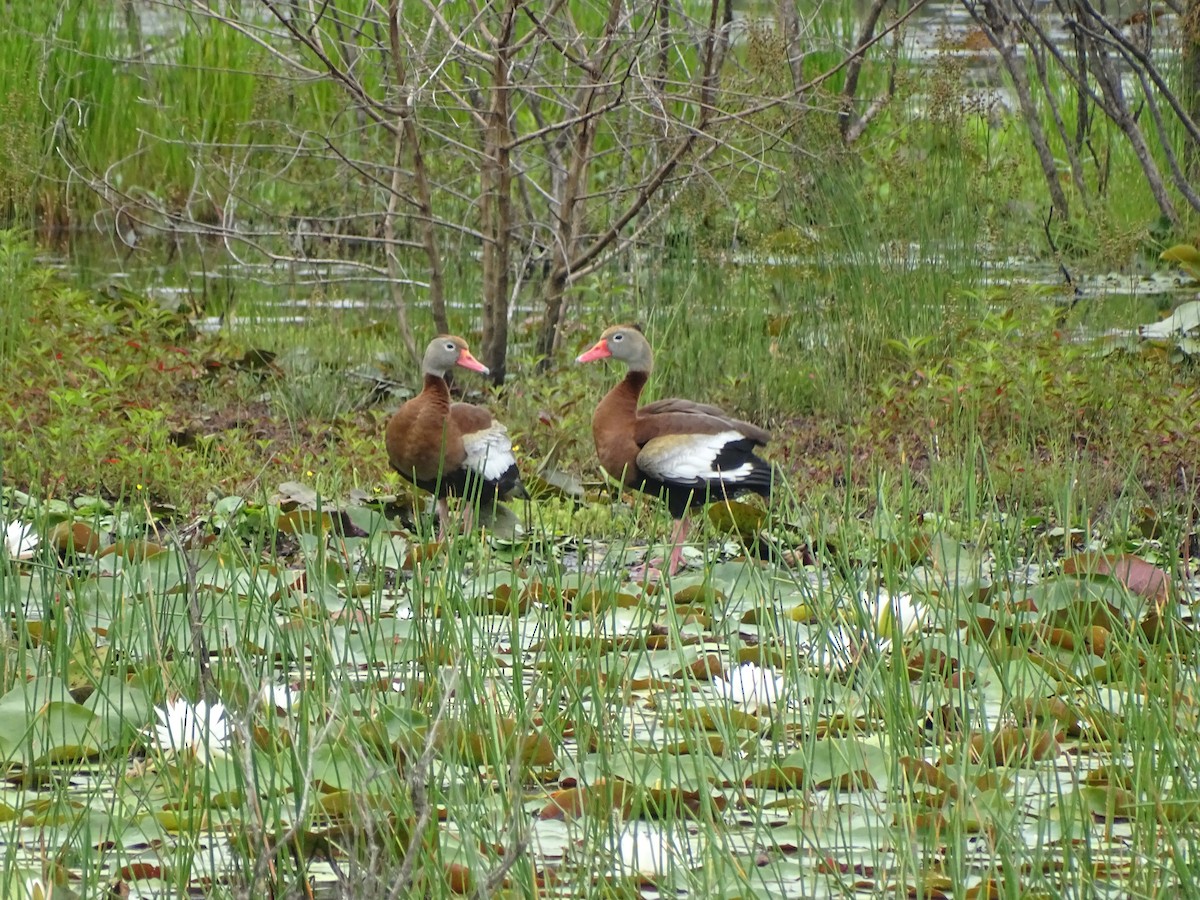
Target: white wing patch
691	457
489	452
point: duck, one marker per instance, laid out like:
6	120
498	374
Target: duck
452	449
684	452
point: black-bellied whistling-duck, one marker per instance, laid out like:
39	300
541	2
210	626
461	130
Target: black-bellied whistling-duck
685	452
452	449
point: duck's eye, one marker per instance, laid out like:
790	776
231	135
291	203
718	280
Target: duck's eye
450	346
618	336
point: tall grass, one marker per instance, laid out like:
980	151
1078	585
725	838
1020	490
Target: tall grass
94	97
437	707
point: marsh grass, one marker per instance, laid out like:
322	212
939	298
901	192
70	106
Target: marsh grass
427	723
937	438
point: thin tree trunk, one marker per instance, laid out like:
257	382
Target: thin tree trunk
389	236
997	26
407	133
789	24
1191	85
496	181
1117	108
1069	145
663	24
571	205
865	36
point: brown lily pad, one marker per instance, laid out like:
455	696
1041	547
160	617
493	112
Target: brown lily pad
1142	578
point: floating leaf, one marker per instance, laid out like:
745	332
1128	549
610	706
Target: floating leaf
141	871
905	553
844	763
590	603
134	551
500	602
699	594
459	878
719	717
1067	601
74	537
924	772
419	553
532	748
1016	745
1093	638
291	494
551	482
672	802
599	799
1186	256
1143	578
304	521
737	517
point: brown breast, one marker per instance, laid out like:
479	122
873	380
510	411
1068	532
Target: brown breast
613	426
423	438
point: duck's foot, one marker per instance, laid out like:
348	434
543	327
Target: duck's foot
649	572
655	570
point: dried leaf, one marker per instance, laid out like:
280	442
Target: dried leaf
1142	578
74	537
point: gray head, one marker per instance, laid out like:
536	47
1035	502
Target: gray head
625	343
447	351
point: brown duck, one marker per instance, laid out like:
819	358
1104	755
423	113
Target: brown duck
687	453
452	449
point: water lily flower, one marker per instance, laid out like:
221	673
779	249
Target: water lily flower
199	729
39	888
870	626
750	685
890	611
650	851
280	697
20	540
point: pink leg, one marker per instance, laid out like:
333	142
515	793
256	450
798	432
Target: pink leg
678	536
650	570
443	514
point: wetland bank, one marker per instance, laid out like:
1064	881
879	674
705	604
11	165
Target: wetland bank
955	656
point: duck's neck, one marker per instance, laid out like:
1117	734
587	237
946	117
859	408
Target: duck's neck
623	398
437	389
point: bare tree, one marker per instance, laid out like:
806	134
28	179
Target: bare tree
538	141
1115	72
1191	81
523	146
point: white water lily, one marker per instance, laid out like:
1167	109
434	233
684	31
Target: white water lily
750	685
890	611
20	540
651	851
870	627
200	729
280	698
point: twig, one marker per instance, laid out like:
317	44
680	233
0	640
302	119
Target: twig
1054	248
208	689
420	796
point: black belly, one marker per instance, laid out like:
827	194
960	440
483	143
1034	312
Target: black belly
465	483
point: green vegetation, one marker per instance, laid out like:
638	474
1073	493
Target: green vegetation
486	713
966	613
862	368
930	706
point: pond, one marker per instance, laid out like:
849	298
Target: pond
891	702
750	729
